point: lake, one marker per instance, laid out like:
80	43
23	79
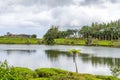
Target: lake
93	60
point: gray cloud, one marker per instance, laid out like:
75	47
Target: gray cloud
97	2
50	3
115	1
91	2
36	16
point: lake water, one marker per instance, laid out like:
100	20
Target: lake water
93	60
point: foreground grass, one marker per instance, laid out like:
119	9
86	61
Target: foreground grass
21	73
54	74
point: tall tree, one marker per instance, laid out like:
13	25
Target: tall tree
74	52
51	34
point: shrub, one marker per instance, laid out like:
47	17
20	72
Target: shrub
12	73
24	72
7	73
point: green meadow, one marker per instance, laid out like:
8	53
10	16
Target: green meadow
16	40
108	43
59	41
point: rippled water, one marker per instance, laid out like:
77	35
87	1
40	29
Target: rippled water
94	60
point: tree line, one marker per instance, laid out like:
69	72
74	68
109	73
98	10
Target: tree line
102	31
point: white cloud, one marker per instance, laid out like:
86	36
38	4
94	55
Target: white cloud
40	14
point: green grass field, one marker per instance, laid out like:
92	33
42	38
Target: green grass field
70	41
15	40
61	41
82	42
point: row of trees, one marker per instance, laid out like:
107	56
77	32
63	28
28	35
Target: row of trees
103	31
109	31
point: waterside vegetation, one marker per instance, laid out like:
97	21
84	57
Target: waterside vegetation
21	73
103	34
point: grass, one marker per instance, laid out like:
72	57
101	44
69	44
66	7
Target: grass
82	42
58	74
61	41
16	40
70	41
21	73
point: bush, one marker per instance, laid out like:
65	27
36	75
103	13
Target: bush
7	73
48	72
25	72
12	73
107	77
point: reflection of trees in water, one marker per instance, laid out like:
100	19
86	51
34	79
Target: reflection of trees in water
100	60
55	54
86	58
10	51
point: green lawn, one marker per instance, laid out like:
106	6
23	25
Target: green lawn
15	40
82	42
70	41
61	41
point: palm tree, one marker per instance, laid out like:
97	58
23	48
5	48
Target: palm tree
74	52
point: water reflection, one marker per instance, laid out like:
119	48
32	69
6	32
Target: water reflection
95	60
54	55
10	51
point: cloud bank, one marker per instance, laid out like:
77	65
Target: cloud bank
36	16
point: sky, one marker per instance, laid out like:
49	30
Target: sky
37	16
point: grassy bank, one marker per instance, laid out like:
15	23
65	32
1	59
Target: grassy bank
70	41
16	40
20	73
94	42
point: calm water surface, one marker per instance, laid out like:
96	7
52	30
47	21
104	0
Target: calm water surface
93	60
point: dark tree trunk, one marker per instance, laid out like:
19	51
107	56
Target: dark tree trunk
74	60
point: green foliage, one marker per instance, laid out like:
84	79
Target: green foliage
48	72
74	51
34	36
20	73
41	79
49	40
106	77
51	34
25	72
12	73
104	31
57	74
6	73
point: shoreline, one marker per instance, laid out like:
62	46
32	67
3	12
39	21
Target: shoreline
61	41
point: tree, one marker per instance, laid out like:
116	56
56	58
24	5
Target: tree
34	36
51	34
74	52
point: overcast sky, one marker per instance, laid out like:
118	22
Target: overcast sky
36	16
